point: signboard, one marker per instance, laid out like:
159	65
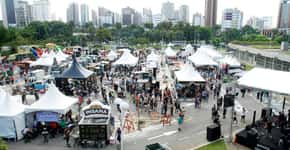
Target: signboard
96	110
47	116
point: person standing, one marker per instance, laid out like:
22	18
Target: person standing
243	116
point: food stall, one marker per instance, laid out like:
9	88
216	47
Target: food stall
96	124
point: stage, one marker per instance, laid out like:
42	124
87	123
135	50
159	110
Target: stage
257	138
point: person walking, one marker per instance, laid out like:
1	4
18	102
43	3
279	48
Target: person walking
243	116
67	132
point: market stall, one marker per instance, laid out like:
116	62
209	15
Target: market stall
11	117
96	124
188	79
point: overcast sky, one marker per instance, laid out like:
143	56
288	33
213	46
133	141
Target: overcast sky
250	8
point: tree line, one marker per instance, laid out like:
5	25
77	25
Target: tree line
62	33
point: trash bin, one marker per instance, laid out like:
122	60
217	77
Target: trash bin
155	146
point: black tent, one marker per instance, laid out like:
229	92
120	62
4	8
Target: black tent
76	71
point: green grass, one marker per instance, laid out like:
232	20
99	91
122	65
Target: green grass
218	145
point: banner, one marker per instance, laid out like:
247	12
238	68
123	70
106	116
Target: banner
47	116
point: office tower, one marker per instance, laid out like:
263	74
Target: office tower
84	14
284	16
184	13
105	16
147	16
22	13
260	23
8	13
41	10
167	11
197	20
267	20
94	18
232	19
210	12
72	14
128	16
157	18
117	18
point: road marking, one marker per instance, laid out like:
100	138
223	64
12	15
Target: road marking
164	134
155	137
184	138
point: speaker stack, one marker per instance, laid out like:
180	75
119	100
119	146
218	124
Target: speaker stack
213	132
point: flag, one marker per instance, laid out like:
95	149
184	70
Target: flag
34	53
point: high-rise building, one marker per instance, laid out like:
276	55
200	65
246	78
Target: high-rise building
128	16
41	10
147	16
167	11
94	18
84	14
260	23
184	13
232	19
72	14
210	12
8	13
197	20
157	18
22	13
267	22
117	18
137	18
284	15
105	16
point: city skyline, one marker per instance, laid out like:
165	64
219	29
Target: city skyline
270	7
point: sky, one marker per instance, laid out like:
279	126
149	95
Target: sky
258	8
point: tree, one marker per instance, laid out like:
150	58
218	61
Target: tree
248	30
3	146
148	25
230	35
103	35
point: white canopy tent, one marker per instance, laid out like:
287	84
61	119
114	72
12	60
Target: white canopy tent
188	50
126	59
60	56
112	55
12	118
153	57
266	79
200	59
53	100
188	74
47	59
211	52
169	52
231	61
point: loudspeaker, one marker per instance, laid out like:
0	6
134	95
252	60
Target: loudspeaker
252	136
229	100
266	112
213	132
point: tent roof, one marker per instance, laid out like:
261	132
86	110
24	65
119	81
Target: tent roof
112	55
201	59
153	57
231	61
76	71
211	52
266	79
170	52
188	74
53	100
45	60
126	59
9	105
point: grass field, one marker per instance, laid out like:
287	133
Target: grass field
218	145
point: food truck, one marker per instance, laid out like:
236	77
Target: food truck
96	124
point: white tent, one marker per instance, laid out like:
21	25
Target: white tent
188	50
231	61
53	100
45	60
267	79
211	52
153	57
188	74
112	55
169	52
60	56
126	59
12	118
201	59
